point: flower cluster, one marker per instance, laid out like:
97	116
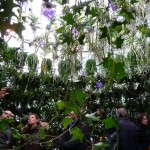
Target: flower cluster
49	13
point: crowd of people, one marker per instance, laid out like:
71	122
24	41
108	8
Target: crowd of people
129	135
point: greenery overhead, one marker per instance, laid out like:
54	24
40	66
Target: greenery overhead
97	61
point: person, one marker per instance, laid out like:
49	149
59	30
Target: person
64	141
142	135
6	138
127	131
3	92
31	139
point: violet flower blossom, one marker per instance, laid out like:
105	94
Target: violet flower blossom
111	5
49	13
75	31
99	85
40	43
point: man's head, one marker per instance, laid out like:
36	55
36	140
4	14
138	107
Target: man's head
72	115
121	112
7	114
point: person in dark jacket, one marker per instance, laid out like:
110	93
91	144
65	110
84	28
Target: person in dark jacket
142	134
64	141
31	139
127	131
6	138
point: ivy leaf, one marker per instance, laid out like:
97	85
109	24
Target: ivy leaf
105	33
78	95
41	133
66	121
3	124
110	123
60	104
69	19
81	39
15	133
116	70
76	134
119	42
71	106
60	30
67	38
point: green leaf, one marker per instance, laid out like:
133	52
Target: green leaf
69	19
116	70
76	134
78	95
110	123
15	133
105	33
119	42
41	133
71	106
60	104
66	121
67	38
3	124
61	30
100	146
81	39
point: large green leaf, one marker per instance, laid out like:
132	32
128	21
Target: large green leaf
116	69
119	42
69	18
110	123
71	106
81	39
78	95
76	134
3	124
41	133
66	121
15	133
60	104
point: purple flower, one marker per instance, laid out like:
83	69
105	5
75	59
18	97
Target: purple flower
49	13
99	85
75	31
111	5
40	43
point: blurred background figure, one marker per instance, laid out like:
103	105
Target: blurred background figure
3	92
142	134
127	131
6	138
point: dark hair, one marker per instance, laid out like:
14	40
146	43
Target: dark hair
140	117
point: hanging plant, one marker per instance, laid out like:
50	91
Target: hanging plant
32	61
91	67
64	68
46	65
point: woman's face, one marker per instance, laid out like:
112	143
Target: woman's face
144	120
32	120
